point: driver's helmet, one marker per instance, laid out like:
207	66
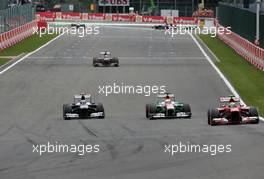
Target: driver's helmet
232	105
83	100
168	101
82	97
231	100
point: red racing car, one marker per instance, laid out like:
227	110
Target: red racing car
232	112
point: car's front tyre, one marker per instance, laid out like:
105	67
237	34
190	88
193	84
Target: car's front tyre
213	113
95	62
116	62
253	112
187	110
150	110
100	108
66	109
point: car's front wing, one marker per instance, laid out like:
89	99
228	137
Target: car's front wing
77	116
245	120
177	115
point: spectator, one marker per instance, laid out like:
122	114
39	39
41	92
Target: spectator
25	1
12	3
18	2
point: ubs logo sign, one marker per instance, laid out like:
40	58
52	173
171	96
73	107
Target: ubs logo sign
113	2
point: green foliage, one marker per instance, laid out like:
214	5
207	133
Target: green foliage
28	45
3	61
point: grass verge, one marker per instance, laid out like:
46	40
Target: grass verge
246	79
3	61
25	46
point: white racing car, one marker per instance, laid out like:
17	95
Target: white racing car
83	108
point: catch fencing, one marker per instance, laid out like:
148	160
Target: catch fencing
16	16
16	24
10	38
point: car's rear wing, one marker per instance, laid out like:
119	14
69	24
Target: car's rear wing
77	98
165	95
105	53
229	99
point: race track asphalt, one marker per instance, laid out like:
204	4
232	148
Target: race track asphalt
32	94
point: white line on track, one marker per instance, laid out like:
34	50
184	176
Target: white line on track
129	28
128	58
228	84
215	57
12	60
108	24
26	56
7	57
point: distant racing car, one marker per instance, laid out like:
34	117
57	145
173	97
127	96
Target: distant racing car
232	112
78	25
105	59
83	108
162	26
167	107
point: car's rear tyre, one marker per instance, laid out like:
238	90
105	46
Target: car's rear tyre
212	113
253	112
66	109
187	110
100	108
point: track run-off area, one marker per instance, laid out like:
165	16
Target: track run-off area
33	91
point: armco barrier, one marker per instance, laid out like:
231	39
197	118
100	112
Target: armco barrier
14	36
53	16
245	48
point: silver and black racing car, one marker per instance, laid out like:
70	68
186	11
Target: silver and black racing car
162	26
83	108
105	59
78	25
